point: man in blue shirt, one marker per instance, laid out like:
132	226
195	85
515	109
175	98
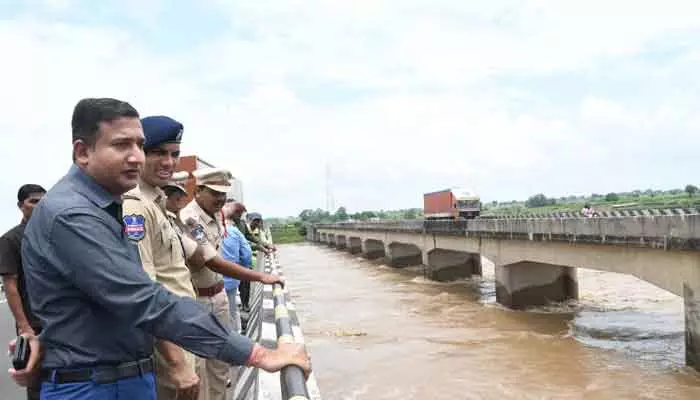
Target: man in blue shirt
235	248
98	308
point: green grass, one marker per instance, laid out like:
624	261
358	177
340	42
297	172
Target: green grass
287	234
599	204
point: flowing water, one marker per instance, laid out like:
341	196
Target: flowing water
376	332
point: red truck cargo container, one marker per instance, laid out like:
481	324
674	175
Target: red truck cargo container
190	164
451	204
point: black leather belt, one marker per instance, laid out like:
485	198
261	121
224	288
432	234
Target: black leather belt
100	374
210	291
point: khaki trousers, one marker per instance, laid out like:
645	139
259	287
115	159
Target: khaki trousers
214	373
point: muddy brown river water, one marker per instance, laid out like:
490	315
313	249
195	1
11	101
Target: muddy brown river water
375	332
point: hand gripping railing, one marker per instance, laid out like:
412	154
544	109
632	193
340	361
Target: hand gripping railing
292	378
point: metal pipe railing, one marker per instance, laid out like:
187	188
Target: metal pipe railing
292	378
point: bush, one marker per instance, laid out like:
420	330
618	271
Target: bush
612	197
539	200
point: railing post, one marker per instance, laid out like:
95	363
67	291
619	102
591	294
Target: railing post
292	378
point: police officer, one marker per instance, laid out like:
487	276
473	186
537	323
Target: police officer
205	223
258	229
176	193
237	217
163	251
98	309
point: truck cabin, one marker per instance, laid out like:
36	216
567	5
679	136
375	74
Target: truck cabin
468	208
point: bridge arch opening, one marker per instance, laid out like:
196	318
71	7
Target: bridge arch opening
621	311
331	240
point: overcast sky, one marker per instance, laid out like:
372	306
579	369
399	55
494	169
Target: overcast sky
508	98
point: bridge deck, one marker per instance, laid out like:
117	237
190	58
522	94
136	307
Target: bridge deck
677	232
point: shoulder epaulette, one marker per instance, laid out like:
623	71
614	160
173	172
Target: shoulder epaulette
130	196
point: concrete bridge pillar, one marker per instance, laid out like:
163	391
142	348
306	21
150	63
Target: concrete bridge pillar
448	265
373	249
341	242
354	245
525	284
691	301
403	255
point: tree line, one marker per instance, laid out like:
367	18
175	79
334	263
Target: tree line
540	200
341	214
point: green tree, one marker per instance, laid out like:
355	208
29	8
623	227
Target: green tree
306	215
691	190
539	200
612	197
341	214
314	216
302	230
411	213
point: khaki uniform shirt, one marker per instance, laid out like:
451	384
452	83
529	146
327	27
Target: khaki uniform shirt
189	245
209	233
163	251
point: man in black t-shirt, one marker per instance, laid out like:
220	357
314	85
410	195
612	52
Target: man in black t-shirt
11	268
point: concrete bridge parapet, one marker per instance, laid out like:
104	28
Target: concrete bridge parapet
658	232
668	232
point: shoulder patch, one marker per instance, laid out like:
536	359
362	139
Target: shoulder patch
197	232
134	227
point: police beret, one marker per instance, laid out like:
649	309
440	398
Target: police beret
160	129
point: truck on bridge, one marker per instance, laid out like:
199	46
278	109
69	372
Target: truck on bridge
453	203
193	162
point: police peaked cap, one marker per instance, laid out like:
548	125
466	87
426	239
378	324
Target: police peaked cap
178	181
160	129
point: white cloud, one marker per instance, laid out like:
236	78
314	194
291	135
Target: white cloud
398	97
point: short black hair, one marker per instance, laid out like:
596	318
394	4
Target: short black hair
27	190
89	112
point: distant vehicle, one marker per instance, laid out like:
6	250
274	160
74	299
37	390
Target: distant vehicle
194	162
453	203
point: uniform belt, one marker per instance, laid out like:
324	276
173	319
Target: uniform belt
100	374
210	291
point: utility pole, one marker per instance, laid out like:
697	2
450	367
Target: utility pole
330	201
